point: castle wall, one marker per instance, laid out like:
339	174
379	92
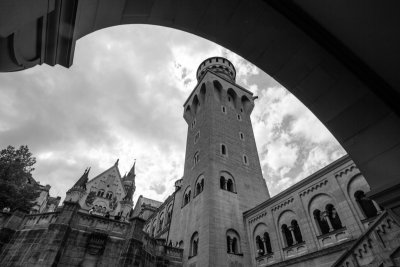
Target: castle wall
336	185
74	238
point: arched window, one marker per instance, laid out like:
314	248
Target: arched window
229	185
180	244
267	242
100	193
194	244
186	196
296	231
196	158
333	217
161	224
223	150
321	222
241	135
233	242
231	97
217	90
199	185
235	246
227	182
109	195
260	246
287	236
169	214
196	137
366	205
222	182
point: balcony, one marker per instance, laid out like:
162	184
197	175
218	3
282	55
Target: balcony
265	259
295	250
334	237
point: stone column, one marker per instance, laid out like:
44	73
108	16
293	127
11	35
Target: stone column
327	219
378	209
230	245
264	242
291	228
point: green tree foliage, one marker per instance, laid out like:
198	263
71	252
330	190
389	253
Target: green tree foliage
18	190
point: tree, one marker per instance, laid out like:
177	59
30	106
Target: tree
18	189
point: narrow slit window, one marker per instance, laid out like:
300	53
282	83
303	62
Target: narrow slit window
223	109
245	160
223	150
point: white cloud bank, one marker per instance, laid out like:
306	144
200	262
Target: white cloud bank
123	98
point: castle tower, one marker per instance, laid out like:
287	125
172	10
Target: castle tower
128	181
222	173
78	191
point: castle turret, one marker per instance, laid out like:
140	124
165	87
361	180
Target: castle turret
78	191
128	182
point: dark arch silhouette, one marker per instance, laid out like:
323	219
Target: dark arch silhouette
338	78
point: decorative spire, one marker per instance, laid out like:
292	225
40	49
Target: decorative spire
116	163
81	183
131	174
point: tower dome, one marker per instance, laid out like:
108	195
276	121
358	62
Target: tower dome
218	65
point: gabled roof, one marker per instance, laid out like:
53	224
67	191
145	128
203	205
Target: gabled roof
114	167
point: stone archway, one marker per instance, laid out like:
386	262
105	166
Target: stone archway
315	55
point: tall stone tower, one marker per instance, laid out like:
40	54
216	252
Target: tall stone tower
222	173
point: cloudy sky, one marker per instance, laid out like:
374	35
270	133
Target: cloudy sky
123	98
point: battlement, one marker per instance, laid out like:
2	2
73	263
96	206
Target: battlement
218	65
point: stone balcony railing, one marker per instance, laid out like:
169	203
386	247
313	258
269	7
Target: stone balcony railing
39	221
295	250
106	225
266	259
334	237
381	241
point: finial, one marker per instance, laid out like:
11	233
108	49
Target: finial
116	163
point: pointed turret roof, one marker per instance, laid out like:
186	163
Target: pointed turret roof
131	174
81	183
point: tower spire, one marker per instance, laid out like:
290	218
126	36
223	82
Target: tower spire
81	183
131	174
76	192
